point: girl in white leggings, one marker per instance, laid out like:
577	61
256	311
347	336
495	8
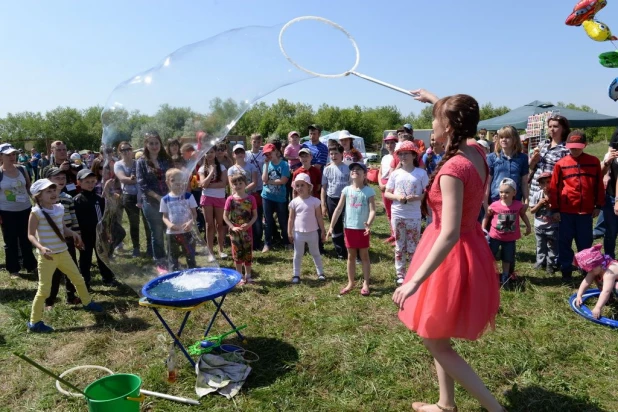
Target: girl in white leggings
303	224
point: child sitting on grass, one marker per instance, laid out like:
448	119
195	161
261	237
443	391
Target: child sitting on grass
46	232
305	225
504	215
179	210
601	269
240	213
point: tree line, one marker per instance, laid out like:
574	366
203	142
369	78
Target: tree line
82	129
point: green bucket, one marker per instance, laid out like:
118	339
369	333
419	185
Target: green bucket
115	393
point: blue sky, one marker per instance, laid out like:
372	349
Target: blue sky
70	53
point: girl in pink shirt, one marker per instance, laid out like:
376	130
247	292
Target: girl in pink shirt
504	215
303	224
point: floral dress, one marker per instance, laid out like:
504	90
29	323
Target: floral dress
241	212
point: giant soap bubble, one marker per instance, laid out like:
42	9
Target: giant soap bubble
196	95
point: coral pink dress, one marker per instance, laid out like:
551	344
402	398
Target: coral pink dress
461	298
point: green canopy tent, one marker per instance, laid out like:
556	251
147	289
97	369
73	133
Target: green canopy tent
518	118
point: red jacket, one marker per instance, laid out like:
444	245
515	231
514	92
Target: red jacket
577	185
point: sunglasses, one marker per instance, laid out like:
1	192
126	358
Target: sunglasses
128	149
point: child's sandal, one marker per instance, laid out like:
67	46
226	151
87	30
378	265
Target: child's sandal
419	407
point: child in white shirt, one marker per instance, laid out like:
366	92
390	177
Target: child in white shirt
303	224
405	188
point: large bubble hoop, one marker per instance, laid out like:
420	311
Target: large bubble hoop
342	74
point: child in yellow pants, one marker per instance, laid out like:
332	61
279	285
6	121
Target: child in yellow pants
46	231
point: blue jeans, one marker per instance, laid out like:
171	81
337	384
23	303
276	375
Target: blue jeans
573	227
611	226
270	208
154	218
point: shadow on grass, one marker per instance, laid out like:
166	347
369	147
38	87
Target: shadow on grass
526	257
534	398
277	358
108	322
14	295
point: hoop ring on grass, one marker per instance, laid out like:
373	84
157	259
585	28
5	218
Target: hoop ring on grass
330	23
586	313
63	374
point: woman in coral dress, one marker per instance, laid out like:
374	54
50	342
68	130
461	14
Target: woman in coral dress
451	289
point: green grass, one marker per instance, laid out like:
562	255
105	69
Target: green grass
319	352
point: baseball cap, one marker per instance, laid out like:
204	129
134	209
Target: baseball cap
238	146
314	126
407	146
304	150
53	171
84	173
303	177
362	165
509	182
344	134
7	148
544	175
268	147
408	126
40	185
292	133
483	143
391	136
576	140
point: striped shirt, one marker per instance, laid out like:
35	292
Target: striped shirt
549	158
70	219
319	153
45	234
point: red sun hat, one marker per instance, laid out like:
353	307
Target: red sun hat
407	146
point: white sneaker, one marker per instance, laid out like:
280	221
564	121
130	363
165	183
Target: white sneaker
211	258
399	281
222	255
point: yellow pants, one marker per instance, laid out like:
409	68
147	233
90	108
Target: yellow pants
65	263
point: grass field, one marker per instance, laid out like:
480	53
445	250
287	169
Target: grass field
320	352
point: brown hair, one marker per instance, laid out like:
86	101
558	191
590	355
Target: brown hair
237	178
509	131
462	113
162	153
564	122
97	166
218	170
170	143
123	143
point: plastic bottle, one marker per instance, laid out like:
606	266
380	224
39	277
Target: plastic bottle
172	369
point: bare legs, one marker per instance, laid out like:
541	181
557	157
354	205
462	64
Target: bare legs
450	368
214	221
364	257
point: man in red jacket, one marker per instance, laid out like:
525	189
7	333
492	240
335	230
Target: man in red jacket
576	196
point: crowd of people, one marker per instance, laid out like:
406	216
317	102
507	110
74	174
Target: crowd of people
274	193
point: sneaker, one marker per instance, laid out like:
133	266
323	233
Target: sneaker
211	258
120	247
295	279
399	280
222	255
136	253
321	277
93	307
39	327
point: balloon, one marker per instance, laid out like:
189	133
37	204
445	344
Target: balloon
609	59
598	31
613	89
584	10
